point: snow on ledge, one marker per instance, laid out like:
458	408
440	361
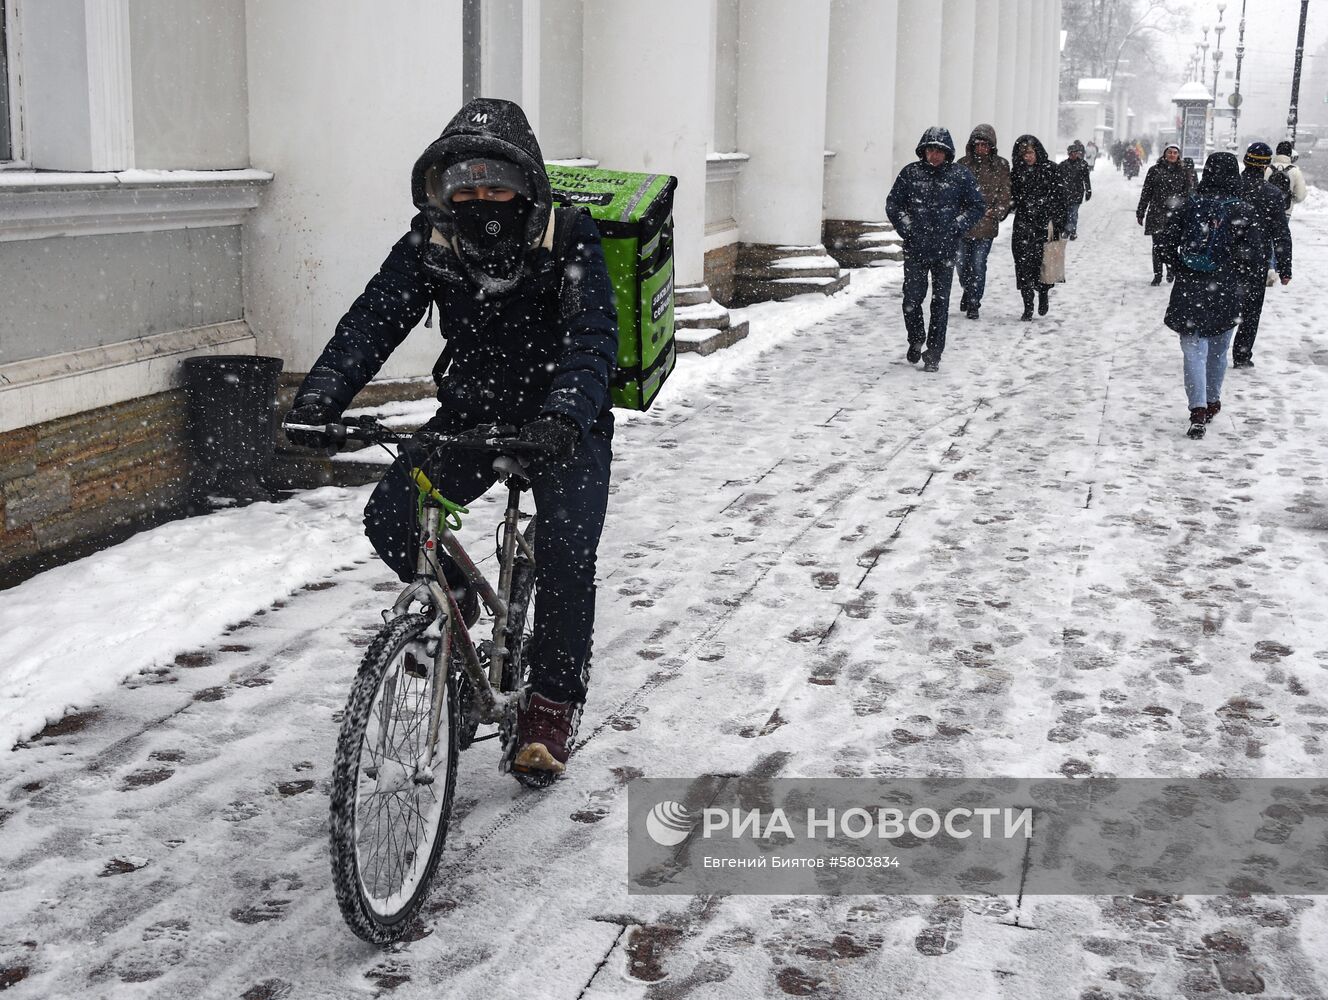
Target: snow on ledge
56	179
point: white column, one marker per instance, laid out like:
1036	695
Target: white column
782	62
665	128
1006	45
1037	75
1054	78
110	91
1024	121
986	63
917	76
958	31
861	132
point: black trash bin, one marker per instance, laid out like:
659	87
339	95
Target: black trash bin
232	422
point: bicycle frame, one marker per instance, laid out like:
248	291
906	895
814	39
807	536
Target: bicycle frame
435	533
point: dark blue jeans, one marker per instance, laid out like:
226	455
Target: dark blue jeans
972	267
570	503
917	273
1072	218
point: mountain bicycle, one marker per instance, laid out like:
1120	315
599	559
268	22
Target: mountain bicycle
423	690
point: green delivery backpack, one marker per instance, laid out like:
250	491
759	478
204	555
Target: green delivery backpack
634	214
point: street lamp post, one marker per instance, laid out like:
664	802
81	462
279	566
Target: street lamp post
1235	92
1217	66
1293	115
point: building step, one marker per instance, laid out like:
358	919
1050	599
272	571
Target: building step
708	340
855	243
767	273
691	295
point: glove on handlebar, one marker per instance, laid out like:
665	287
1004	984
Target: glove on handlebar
312	414
556	433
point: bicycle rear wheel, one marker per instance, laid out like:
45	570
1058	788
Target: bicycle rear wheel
388	816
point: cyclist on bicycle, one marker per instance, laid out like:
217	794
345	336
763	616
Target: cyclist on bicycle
520	350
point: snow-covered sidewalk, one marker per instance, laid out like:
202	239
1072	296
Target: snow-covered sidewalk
819	562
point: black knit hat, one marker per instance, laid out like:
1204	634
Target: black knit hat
1286	148
1259	154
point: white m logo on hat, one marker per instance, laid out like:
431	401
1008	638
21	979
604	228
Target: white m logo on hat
480	118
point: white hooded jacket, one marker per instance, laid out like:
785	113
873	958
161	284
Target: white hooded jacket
1294	175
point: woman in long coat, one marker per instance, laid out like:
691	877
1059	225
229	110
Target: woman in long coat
1039	200
1217	233
1165	188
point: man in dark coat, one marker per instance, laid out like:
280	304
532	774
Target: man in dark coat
1038	197
1206	298
992	173
1269	204
1165	188
933	202
1078	178
480	249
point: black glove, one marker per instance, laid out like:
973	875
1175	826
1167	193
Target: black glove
314	414
558	434
1088	196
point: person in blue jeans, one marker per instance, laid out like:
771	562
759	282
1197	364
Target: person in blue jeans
933	202
992	173
1219	241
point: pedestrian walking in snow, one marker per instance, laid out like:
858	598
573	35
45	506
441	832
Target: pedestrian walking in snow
1130	161
1285	174
992	173
480	249
1165	188
1216	233
1269	204
933	202
1077	176
1091	153
1038	197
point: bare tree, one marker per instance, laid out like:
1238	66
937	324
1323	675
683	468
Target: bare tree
1100	34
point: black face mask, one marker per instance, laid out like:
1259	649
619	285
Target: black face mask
491	234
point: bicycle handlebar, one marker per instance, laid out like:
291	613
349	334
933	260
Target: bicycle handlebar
500	438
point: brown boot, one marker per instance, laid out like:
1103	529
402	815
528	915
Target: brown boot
1214	408
544	736
1198	422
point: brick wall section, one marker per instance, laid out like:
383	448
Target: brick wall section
721	265
71	486
104	472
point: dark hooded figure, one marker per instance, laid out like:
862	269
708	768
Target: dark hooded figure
1078	177
933	202
480	250
1216	233
1039	200
1269	203
1165	187
992	173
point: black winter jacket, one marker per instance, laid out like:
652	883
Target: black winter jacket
1039	201
509	358
1209	303
1269	203
932	207
1078	178
1165	187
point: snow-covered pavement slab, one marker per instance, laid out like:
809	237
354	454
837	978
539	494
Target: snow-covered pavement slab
819	562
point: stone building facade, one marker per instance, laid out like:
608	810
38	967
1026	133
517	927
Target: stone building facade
190	177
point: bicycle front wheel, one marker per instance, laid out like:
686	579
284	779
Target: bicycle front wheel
390	808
